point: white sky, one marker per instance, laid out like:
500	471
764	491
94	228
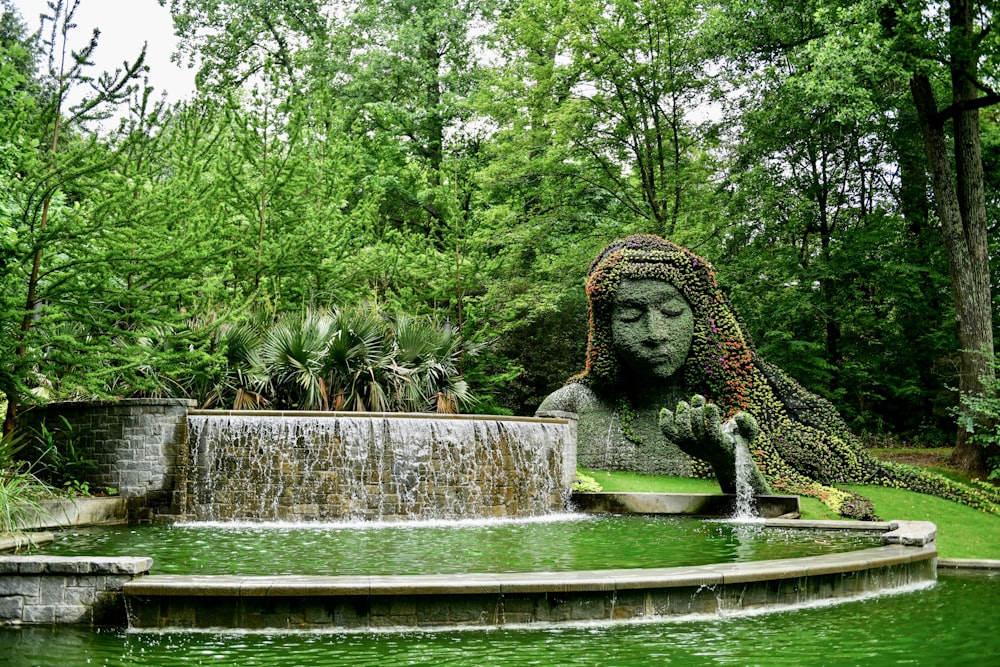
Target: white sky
124	26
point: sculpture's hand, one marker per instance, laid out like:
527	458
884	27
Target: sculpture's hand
697	428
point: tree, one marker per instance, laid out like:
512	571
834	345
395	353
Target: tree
45	207
967	39
238	42
861	53
640	77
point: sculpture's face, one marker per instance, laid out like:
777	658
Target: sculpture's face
652	327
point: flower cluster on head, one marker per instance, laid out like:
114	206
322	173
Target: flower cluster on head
719	363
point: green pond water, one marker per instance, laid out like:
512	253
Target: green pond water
953	623
557	544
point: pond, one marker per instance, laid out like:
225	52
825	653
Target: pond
562	543
954	623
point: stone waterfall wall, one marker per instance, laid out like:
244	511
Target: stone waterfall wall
300	466
317	466
135	443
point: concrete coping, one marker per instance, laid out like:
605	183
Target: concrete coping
18	541
122	402
63	512
59	565
906	533
968	564
319	414
910	533
830	524
558	414
535	582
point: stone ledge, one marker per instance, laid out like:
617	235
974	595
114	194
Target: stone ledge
910	533
320	414
123	403
830	524
473	584
968	564
74	590
60	565
17	541
62	512
483	600
686	504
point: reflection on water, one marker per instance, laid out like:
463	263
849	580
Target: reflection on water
560	544
954	623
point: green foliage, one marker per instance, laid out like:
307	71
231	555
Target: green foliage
838	272
981	418
586	484
357	359
60	464
20	490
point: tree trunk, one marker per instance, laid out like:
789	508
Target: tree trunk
976	312
961	209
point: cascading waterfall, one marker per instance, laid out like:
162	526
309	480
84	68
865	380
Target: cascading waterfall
335	466
745	508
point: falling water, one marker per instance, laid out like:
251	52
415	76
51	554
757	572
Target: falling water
298	467
745	507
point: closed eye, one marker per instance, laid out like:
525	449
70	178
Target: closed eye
630	314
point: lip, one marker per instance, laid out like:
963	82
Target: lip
660	360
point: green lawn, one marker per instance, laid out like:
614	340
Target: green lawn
962	531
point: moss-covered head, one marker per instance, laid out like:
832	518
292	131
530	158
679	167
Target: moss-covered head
718	359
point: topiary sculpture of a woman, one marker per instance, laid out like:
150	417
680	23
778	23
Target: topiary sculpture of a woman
670	374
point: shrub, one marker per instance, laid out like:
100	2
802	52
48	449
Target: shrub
981	418
20	490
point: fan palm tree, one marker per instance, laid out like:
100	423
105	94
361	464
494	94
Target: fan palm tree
357	360
290	360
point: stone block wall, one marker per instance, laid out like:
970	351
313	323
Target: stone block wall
331	466
74	590
135	443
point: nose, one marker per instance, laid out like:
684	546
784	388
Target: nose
657	326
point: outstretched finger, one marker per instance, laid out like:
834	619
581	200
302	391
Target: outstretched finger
712	419
667	424
683	419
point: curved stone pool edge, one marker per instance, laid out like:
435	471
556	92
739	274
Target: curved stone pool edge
492	600
51	590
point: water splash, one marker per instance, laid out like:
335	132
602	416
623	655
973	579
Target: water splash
370	467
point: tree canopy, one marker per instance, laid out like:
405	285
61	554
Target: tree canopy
465	161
